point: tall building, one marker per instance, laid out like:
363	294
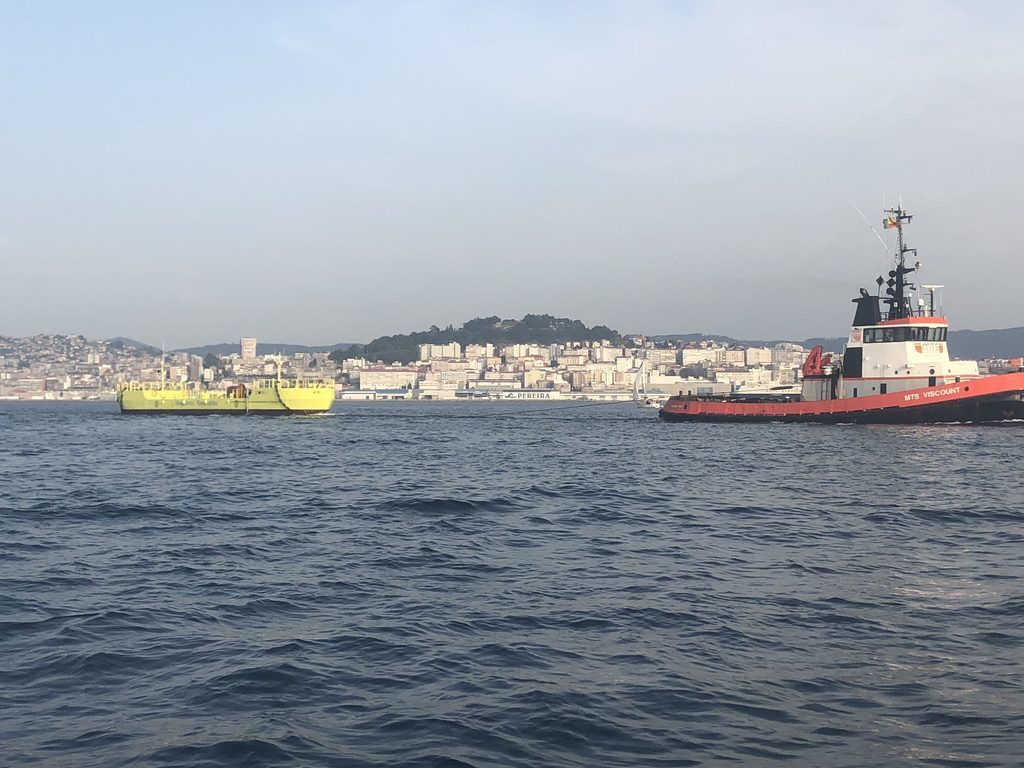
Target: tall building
248	348
195	368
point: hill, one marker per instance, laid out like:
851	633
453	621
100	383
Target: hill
532	329
230	348
964	345
123	341
978	345
830	344
547	329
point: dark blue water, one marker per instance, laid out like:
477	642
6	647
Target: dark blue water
449	585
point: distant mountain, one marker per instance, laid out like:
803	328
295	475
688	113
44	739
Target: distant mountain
964	345
532	329
547	329
698	337
230	348
829	344
978	345
833	344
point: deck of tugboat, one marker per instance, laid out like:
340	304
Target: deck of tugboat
754	397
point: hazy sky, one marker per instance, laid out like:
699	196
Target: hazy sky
313	172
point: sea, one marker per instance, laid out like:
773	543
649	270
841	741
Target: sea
495	584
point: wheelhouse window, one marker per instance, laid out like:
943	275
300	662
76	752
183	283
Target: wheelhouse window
903	333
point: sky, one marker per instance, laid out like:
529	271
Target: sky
319	172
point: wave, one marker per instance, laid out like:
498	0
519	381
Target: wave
579	591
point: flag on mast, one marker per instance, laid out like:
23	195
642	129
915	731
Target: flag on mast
890	222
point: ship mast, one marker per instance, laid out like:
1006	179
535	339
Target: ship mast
897	285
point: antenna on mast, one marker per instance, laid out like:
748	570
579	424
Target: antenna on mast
898	301
866	221
931	297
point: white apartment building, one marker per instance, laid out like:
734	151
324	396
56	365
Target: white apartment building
493	380
661	381
699	355
527	350
787	376
575	357
388	377
600	375
788	355
475	366
657	357
541	378
606	354
474	351
757	356
450	350
745	377
623	379
446	380
530	363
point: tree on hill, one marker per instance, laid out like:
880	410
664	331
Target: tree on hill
532	329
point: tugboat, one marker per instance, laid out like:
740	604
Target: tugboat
895	369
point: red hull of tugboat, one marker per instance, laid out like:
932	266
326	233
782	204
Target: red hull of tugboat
993	398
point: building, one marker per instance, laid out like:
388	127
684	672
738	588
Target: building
699	355
656	357
451	350
787	355
474	351
758	356
195	368
388	377
248	348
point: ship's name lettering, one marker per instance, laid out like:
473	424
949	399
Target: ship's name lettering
934	393
528	395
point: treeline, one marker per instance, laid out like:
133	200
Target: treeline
532	329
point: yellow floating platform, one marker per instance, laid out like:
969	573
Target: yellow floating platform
265	397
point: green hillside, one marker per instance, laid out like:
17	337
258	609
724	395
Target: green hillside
532	329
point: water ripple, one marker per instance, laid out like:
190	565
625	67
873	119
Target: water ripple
432	585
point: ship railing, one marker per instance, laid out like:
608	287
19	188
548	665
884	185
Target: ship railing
295	383
157	386
919	312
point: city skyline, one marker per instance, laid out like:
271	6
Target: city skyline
323	173
73	369
710	334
